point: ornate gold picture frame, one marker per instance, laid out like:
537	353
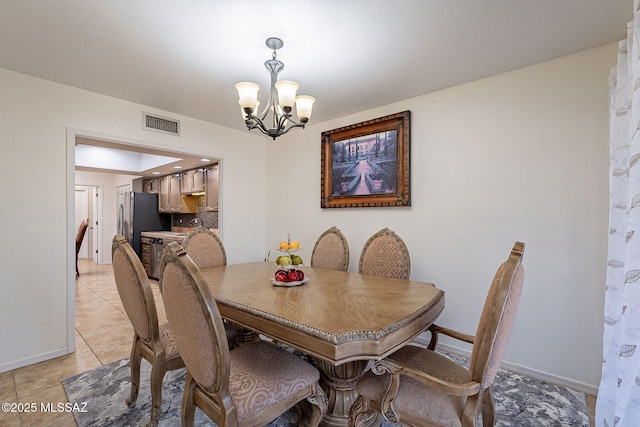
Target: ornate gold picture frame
367	164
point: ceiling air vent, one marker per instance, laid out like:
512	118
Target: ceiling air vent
160	124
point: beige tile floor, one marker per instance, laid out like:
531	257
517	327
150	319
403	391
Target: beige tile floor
103	335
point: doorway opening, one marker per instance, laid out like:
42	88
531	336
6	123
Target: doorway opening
92	193
88	200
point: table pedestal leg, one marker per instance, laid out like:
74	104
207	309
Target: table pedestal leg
339	383
245	335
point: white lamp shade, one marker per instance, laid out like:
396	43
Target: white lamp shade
286	93
304	105
244	113
248	93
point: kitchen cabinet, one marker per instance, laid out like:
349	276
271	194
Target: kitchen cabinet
212	188
170	197
183	193
151	186
156	241
163	197
193	181
175	195
146	254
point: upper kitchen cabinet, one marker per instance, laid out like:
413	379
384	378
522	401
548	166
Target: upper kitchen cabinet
187	191
163	197
175	194
212	190
171	199
151	186
193	181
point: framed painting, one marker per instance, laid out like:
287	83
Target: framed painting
367	164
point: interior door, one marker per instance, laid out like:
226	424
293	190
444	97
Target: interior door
82	213
95	225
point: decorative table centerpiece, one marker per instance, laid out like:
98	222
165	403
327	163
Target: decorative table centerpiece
288	273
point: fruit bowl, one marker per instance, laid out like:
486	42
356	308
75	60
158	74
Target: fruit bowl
290	284
288	260
288	246
288	267
289	275
286	251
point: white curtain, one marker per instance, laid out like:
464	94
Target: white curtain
618	401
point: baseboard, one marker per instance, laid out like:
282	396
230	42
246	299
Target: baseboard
519	369
31	360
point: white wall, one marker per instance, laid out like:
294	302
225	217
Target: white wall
518	156
36	171
108	182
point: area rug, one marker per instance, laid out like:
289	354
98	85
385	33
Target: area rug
520	401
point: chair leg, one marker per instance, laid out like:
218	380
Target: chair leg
134	362
188	408
158	370
488	408
470	412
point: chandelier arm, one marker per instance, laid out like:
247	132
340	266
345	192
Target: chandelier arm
282	120
256	123
293	125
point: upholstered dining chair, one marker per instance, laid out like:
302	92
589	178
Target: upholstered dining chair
386	255
250	385
205	248
151	340
82	230
417	386
331	251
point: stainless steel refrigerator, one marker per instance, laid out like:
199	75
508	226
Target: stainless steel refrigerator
138	212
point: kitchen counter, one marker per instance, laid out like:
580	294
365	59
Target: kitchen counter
174	236
169	235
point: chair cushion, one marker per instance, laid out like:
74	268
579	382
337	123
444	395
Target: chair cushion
168	342
263	375
415	398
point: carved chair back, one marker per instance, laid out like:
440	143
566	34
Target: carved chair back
251	385
205	248
386	255
134	290
331	251
195	320
497	318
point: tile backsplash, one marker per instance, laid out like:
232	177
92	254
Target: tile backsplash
207	219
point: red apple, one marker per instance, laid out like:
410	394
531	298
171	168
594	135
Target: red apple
281	276
293	276
300	275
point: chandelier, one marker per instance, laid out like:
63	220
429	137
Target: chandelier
282	98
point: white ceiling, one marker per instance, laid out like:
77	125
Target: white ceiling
113	157
185	56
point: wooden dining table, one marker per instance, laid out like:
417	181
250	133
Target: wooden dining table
343	320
